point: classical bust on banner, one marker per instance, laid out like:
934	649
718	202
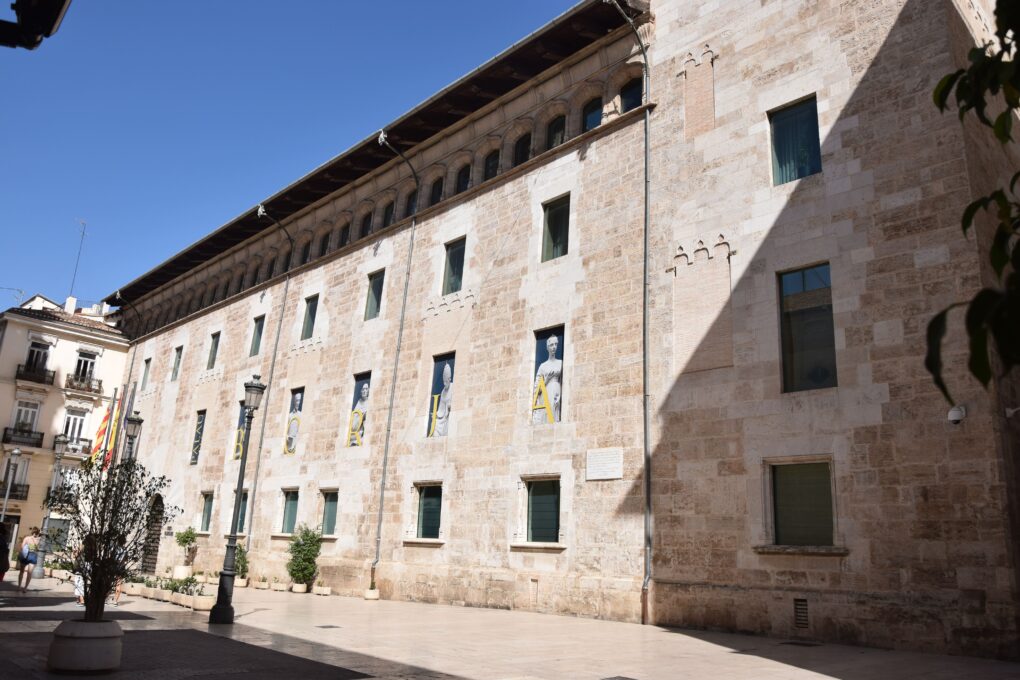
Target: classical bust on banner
547	390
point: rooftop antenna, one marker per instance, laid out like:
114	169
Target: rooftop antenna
81	243
20	296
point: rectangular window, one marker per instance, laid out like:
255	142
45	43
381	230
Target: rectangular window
206	510
491	168
544	511
178	353
796	151
38	354
808	338
430	501
522	149
196	445
441	395
26	416
256	335
290	500
146	365
86	365
557	227
214	347
74	423
243	511
802	504
329	502
311	304
374	302
454	274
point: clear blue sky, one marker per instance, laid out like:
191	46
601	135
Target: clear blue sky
157	122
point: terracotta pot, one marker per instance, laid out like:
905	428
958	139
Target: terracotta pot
203	603
181	572
86	647
240	583
299	588
321	590
261	585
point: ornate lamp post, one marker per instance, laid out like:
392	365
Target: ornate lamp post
132	428
59	447
223	610
12	471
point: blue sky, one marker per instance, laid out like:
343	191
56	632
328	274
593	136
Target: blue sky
157	122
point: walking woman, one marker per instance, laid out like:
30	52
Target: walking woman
27	557
5	551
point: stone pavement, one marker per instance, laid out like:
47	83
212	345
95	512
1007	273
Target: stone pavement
284	635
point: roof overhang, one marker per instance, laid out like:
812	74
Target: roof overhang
566	35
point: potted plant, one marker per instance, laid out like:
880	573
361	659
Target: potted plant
108	521
305	545
262	583
188	540
320	588
241	567
279	585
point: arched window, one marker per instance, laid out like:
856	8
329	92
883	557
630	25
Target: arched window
271	269
285	261
522	149
463	178
239	283
306	252
366	225
345	235
555	132
387	215
411	204
491	168
630	95
324	244
436	193
591	114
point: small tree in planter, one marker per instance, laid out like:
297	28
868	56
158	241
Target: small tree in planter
305	545
241	567
108	521
188	540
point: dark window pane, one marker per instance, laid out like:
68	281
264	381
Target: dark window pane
808	338
522	149
796	151
491	165
306	252
557	228
285	261
207	501
430	501
802	502
463	178
387	215
544	511
271	269
290	502
366	226
214	346
630	95
311	305
345	235
329	503
256	336
178	353
555	132
452	278
324	244
591	114
436	193
374	302
196	444
411	204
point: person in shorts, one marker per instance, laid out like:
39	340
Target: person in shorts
27	557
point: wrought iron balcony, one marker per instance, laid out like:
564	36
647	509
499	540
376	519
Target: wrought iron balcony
19	492
17	435
79	447
83	383
35	374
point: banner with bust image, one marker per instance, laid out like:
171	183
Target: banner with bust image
547	383
297	398
441	395
359	409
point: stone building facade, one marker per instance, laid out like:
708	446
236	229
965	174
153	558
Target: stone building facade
788	297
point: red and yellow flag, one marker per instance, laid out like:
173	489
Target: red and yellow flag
97	443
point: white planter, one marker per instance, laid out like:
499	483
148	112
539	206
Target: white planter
371	594
163	594
181	572
201	578
203	603
86	647
177	598
261	585
240	583
299	588
321	590
282	587
132	588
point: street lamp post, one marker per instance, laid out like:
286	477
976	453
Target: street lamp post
132	428
223	610
12	471
59	447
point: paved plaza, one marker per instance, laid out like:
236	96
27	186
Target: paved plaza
284	635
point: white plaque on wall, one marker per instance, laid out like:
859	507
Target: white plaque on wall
604	464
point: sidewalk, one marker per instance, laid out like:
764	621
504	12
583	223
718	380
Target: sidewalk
283	635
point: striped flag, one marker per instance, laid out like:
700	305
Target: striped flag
97	445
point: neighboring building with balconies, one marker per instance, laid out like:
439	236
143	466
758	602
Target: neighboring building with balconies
58	368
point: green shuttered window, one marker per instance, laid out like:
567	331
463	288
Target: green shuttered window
430	502
796	151
454	274
374	302
544	511
329	502
207	499
557	227
256	335
802	504
290	500
311	306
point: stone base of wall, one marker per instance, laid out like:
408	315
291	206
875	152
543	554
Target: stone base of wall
961	623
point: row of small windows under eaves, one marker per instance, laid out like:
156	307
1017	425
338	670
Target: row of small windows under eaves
800	499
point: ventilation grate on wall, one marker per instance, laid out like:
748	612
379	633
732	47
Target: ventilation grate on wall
800	613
